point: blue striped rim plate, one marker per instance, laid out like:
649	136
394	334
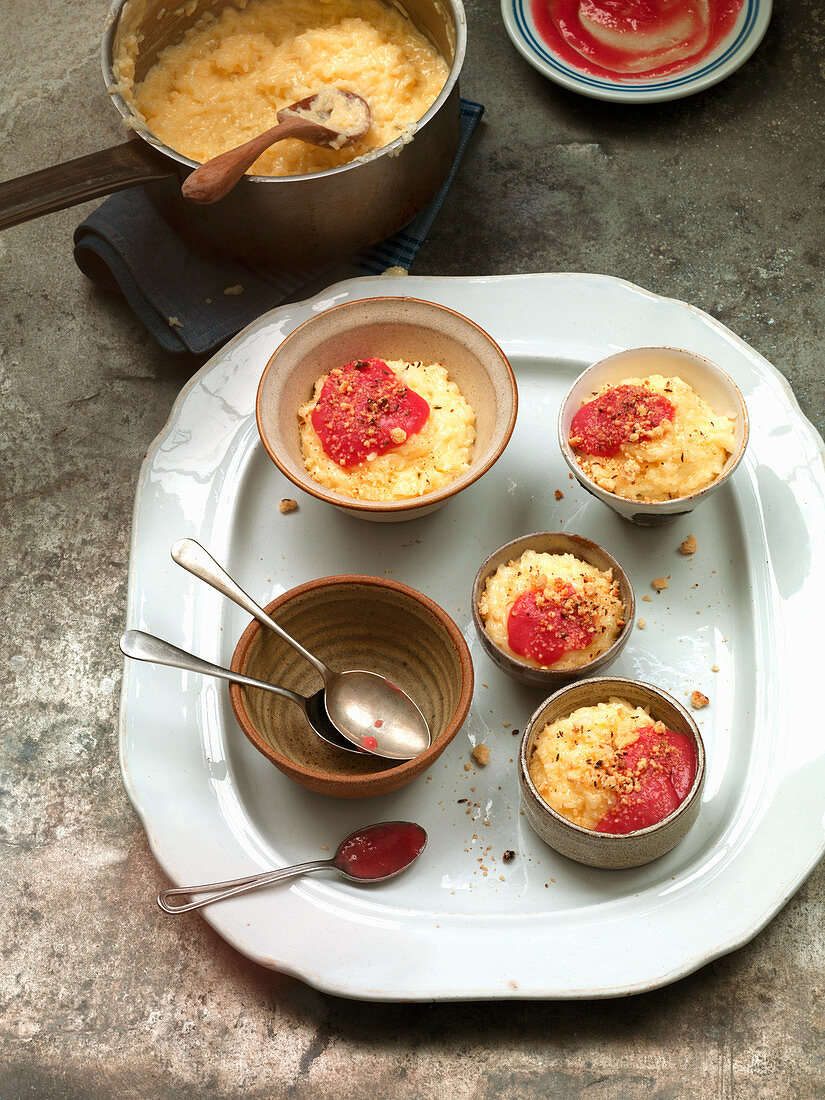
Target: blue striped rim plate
726	59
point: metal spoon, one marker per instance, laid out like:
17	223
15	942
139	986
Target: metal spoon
146	647
414	834
303	120
366	708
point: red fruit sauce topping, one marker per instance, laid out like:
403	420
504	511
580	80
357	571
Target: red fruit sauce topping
545	627
364	409
663	767
634	39
623	414
380	850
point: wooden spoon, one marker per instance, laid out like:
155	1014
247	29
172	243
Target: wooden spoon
348	117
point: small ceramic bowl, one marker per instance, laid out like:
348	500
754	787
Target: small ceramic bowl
608	849
709	381
352	622
396	329
550	542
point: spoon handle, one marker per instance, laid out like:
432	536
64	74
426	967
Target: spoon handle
220	890
216	178
146	647
190	555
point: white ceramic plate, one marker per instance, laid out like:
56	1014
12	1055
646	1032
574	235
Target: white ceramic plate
750	601
726	59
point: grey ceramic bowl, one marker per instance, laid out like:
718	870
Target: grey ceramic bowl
607	849
389	328
707	379
550	542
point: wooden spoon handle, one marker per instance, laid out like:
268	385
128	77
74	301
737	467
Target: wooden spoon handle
216	178
81	179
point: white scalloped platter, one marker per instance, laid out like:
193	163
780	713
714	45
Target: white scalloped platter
463	923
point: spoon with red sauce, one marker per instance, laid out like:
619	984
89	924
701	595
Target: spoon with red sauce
373	854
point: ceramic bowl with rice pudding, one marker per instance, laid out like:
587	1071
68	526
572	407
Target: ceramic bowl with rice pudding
604	849
708	381
552	542
391	329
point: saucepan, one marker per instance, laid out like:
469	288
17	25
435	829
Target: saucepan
271	220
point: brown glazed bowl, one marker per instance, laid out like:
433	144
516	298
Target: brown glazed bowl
707	379
352	622
607	849
388	328
552	542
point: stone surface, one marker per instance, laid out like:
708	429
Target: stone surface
716	200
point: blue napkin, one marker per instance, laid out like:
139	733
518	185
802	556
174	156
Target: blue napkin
193	304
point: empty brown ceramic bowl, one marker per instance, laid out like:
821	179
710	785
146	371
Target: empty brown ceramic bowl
705	378
608	849
550	542
405	329
352	622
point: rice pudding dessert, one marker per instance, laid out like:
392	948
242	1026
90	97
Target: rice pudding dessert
612	768
378	430
651	439
225	81
552	610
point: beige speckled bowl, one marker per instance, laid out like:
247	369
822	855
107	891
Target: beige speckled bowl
708	380
552	542
352	622
388	328
606	849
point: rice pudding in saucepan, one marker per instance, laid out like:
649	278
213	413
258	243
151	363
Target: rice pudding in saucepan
225	81
377	430
552	610
651	439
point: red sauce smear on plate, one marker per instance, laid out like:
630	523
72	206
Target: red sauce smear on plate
664	766
359	406
634	39
381	850
602	425
546	627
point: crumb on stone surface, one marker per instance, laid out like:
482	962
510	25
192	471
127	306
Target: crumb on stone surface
288	505
515	733
646	599
481	754
559	494
466	767
689	545
641	624
660	583
714	668
236	289
509	855
698	700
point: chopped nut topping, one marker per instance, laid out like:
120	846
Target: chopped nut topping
698	700
660	583
398	435
689	545
288	505
481	754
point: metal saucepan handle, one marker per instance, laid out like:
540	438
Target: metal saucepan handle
146	647
125	165
228	889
